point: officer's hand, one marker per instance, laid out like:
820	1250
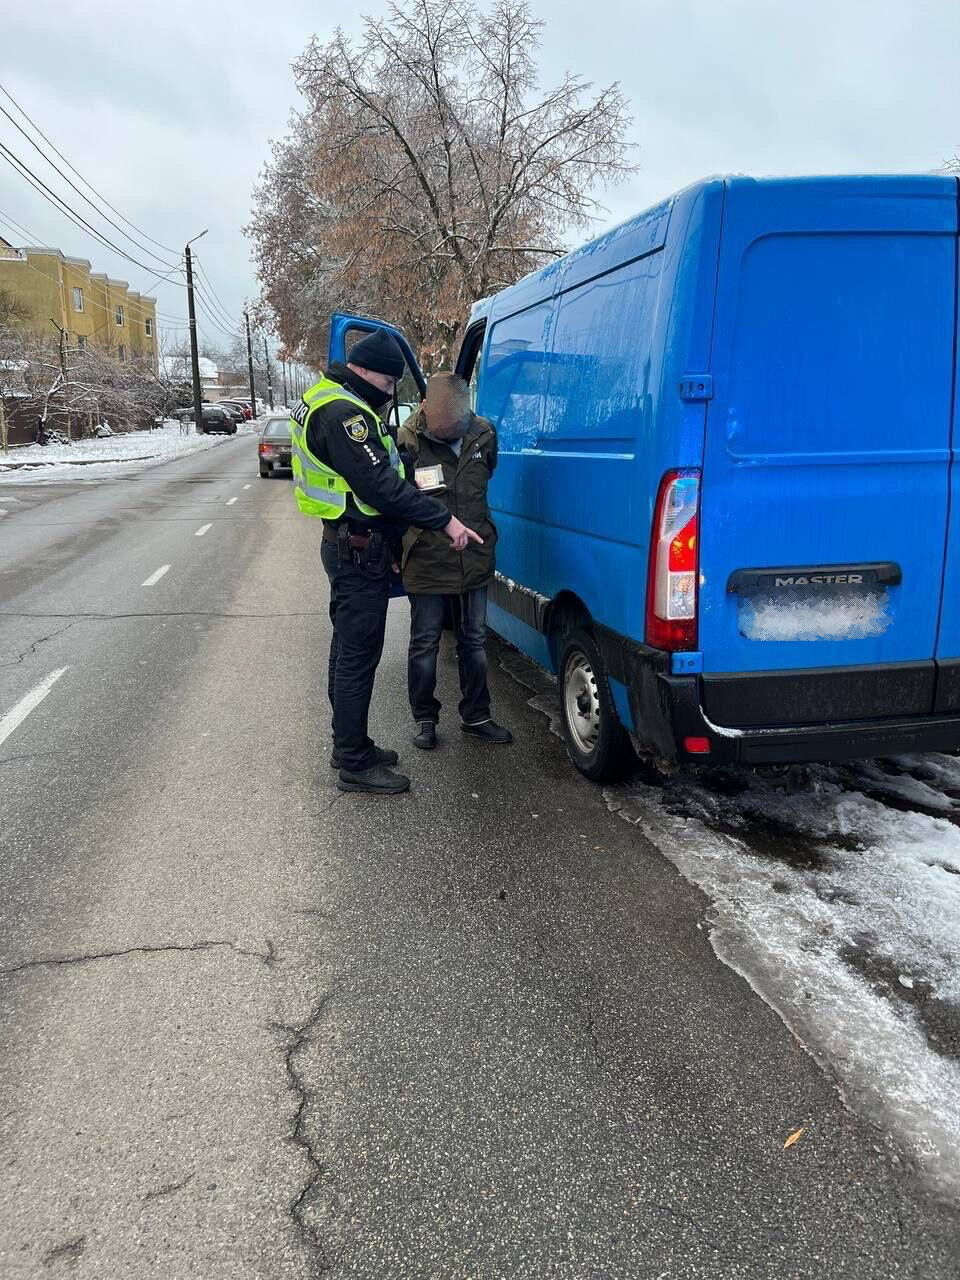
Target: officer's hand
459	534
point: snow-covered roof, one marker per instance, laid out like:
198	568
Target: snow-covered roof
179	367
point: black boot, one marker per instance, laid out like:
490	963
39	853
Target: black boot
489	731
378	781
383	756
426	739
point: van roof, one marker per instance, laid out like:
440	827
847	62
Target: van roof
647	230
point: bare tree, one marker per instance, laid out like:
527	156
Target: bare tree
76	387
12	310
428	170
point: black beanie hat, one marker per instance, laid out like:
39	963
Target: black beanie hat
380	352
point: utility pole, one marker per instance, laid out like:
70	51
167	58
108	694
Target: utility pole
63	371
253	389
266	352
286	394
194	355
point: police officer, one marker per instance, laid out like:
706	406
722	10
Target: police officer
348	473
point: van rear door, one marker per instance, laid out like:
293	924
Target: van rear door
826	468
948	640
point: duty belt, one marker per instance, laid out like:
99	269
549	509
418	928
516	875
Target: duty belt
355	541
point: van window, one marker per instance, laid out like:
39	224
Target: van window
826	358
599	369
511	393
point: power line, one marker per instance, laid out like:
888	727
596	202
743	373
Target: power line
78	220
212	319
216	297
31	236
144	248
75	171
61	205
214	314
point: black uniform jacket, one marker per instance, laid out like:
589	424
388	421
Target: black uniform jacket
347	440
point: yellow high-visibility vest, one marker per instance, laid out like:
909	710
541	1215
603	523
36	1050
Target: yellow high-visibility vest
319	490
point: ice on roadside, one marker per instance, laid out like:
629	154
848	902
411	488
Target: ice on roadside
97	458
843	913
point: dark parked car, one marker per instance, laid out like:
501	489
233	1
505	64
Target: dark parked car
274	446
234	411
244	408
214	419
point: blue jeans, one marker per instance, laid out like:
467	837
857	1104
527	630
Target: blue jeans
426	624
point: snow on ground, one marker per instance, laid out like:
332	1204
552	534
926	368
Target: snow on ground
99	459
836	894
835	891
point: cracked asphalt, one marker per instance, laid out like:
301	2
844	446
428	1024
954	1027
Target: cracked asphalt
255	1029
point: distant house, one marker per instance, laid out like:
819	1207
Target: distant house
89	306
178	369
215	383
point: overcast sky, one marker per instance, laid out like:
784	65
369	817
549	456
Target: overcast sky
168	109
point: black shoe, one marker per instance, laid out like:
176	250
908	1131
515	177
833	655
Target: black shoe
378	781
489	731
426	739
389	758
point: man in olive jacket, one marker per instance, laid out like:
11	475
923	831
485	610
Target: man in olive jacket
451	454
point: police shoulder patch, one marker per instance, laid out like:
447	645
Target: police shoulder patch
356	428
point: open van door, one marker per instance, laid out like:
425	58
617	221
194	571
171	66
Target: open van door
347	329
826	472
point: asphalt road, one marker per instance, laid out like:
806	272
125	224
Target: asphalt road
255	1029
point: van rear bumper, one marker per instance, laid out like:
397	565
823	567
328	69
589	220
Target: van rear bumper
797	744
667	709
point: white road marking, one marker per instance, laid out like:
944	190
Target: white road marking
27	704
246	486
202	530
155	577
231	501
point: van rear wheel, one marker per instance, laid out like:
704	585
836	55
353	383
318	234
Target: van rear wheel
595	739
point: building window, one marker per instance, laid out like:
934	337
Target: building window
148	325
77	299
119	314
122	352
81	342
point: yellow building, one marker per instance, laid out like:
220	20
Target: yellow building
89	306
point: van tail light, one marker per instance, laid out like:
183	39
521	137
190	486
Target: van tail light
674	563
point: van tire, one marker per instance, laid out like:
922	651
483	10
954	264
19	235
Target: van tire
595	739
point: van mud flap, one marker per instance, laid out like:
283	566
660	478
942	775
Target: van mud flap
642	670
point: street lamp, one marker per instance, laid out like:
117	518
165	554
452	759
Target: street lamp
194	356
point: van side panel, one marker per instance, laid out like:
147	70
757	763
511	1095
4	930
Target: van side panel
828	436
592	455
574	491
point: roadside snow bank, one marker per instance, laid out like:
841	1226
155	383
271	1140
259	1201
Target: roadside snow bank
835	891
92	459
836	894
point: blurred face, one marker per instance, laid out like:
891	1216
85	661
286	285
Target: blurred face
447	406
384	382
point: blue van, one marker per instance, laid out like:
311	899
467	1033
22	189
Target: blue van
727	494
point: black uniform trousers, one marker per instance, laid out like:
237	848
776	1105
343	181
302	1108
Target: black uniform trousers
359	597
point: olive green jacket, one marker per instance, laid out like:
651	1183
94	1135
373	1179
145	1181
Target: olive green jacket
430	565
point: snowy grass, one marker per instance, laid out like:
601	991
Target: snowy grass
94	459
